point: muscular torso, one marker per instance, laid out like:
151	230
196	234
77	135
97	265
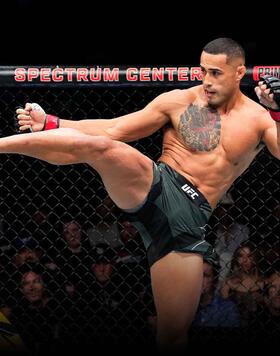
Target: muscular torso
208	148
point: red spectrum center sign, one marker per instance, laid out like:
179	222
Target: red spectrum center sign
106	74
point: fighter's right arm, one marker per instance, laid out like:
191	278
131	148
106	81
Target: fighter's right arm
125	128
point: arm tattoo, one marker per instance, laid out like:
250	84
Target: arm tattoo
200	128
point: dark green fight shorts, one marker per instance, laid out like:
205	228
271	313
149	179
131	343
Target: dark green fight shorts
173	217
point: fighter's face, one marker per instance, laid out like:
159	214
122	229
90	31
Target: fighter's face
220	79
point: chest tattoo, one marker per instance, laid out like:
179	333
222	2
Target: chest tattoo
200	128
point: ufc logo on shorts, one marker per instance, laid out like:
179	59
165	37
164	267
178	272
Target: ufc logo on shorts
191	192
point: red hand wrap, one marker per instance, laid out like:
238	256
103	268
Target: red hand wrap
275	115
51	122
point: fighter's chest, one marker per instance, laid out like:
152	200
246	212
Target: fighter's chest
203	129
199	128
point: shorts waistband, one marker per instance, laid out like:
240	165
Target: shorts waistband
187	187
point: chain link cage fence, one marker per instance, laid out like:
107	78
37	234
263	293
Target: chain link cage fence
74	271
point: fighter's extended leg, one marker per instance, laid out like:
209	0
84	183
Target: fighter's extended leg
126	173
57	146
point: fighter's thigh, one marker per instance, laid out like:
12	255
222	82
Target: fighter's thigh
126	173
177	282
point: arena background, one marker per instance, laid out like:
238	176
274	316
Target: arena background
73	192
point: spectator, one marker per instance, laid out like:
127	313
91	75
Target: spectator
26	251
73	256
106	230
229	236
26	255
10	340
216	318
114	312
272	298
41	226
98	320
268	317
214	311
38	316
245	283
131	250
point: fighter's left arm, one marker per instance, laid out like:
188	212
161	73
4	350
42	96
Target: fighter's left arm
268	92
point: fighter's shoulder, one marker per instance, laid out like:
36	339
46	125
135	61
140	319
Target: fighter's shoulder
256	111
176	97
184	94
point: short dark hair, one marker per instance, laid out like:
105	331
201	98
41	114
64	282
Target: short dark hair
227	46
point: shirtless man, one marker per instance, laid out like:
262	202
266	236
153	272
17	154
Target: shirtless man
212	134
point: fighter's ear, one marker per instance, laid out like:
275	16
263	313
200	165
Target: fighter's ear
240	72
